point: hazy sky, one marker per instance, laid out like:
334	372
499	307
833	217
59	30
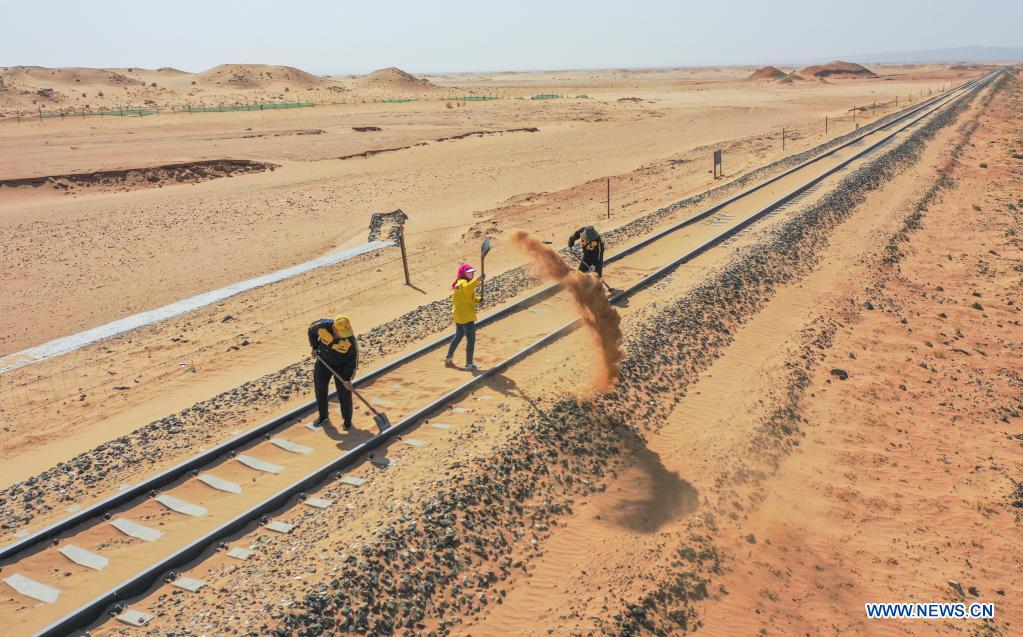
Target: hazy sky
325	36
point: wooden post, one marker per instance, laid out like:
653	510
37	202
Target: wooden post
404	255
783	138
608	197
825	124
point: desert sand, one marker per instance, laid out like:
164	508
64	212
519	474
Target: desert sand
649	132
822	412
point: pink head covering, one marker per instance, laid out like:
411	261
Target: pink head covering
465	271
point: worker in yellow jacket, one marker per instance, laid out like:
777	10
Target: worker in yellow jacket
465	298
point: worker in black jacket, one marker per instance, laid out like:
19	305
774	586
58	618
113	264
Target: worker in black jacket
333	343
593	250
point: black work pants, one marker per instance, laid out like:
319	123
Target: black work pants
321	382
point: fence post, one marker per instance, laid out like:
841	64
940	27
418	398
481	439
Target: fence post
783	138
825	124
404	255
609	198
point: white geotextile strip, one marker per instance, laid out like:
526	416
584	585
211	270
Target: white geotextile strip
67	344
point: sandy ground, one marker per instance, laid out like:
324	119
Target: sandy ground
690	485
550	181
774	498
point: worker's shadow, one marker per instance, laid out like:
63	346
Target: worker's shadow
347	439
508	387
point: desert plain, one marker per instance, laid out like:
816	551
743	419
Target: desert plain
821	412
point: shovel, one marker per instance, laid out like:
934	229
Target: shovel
484	250
380	418
590	268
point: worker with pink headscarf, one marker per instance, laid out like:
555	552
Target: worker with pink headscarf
464	300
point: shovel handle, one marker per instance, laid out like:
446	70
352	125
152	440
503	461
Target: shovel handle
357	394
590	268
483	271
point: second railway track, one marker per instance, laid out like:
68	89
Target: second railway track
88	562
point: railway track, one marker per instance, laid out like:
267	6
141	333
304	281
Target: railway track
65	576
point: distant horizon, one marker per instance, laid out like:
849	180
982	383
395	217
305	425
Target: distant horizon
856	58
460	36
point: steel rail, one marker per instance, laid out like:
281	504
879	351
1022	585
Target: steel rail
142	581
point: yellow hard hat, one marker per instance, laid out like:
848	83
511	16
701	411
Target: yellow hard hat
343	326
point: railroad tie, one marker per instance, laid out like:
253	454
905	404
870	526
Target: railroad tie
180	506
30	588
220	484
260	465
134	617
136	530
293	447
83	557
189	584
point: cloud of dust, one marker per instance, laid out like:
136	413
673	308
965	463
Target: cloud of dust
600	318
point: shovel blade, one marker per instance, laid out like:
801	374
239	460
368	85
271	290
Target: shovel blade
382	421
485	248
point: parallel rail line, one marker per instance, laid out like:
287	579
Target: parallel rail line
143	580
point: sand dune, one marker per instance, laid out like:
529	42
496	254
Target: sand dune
393	78
251	76
767	73
66	77
837	69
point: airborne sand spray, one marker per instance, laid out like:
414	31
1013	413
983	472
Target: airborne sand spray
600	318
